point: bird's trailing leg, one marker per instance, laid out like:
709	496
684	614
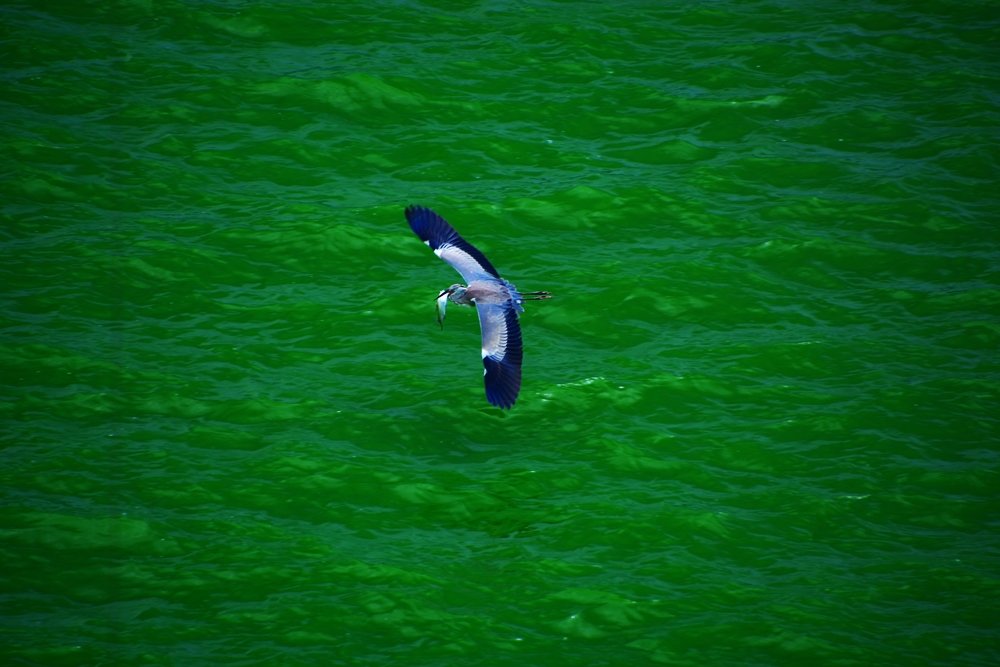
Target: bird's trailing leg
535	296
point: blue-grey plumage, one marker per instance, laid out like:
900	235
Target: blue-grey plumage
497	302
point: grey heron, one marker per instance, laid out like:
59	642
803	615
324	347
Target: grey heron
497	302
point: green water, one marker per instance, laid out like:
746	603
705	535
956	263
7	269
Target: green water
758	423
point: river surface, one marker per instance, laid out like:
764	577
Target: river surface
759	419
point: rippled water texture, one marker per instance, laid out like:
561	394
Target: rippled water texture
758	424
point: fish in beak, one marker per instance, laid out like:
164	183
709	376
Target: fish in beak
442	303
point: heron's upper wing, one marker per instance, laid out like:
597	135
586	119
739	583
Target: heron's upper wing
502	352
448	245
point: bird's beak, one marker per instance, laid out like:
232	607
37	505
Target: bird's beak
443	293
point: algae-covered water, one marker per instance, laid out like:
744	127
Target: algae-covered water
758	423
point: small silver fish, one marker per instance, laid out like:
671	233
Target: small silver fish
442	303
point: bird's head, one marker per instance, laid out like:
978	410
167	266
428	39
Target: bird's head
455	292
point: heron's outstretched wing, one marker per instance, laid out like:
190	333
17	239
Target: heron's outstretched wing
502	352
448	245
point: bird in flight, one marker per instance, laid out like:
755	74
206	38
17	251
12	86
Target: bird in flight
496	300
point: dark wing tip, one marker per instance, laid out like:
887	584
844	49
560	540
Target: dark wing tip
503	383
428	225
435	231
503	376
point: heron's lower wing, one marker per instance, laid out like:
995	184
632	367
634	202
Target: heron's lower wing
448	245
502	353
